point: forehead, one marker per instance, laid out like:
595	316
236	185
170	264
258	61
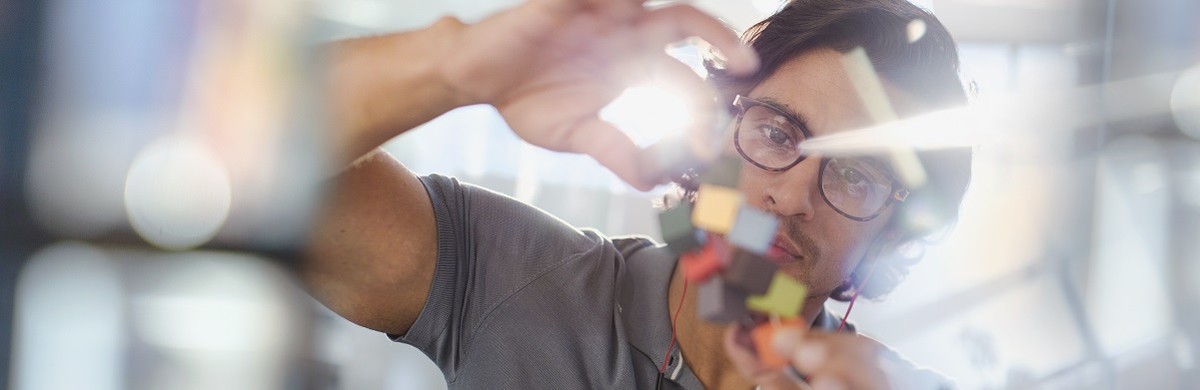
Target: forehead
815	86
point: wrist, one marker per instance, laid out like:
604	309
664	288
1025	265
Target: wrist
412	64
444	37
385	85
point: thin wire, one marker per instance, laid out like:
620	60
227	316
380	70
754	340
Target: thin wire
857	292
671	346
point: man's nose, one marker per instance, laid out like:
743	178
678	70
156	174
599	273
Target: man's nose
793	193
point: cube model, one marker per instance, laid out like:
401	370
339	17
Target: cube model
753	229
677	229
701	265
725	171
750	272
720	247
718	302
784	298
716	208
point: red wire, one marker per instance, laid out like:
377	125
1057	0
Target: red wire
857	292
674	319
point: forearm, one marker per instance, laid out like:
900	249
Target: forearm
386	85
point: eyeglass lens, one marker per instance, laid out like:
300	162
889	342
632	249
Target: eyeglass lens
769	138
854	186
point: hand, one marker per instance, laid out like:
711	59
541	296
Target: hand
550	66
828	360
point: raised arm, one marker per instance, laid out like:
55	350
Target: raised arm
371	256
549	66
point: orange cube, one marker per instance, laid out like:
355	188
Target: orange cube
763	334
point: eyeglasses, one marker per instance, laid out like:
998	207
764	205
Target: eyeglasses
857	188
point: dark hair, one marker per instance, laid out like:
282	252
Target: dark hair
926	69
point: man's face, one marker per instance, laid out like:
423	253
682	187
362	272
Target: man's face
826	246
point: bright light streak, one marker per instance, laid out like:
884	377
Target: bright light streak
940	129
1014	117
870	89
648	113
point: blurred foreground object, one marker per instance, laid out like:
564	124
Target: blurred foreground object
109	318
182	122
134	132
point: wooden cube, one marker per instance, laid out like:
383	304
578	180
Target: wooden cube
763	335
750	272
716	208
699	266
677	229
753	229
784	297
718	302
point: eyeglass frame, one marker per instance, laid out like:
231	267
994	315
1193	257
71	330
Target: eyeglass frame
898	192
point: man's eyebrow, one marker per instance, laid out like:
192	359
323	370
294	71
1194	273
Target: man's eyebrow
796	116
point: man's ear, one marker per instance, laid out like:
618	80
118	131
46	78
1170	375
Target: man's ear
876	252
889	253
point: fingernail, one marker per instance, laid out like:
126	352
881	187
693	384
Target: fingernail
785	341
809	355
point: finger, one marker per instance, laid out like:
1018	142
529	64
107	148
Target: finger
680	21
614	150
740	353
811	356
786	340
737	347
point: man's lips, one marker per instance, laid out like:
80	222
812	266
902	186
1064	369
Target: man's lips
783	249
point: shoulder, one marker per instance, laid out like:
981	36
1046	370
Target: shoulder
633	244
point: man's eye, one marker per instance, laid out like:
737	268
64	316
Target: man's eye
777	137
852	176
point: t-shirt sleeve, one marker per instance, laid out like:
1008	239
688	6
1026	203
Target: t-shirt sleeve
490	246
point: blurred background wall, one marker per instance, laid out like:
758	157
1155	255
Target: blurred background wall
1074	264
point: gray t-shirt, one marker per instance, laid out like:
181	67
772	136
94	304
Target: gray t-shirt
521	299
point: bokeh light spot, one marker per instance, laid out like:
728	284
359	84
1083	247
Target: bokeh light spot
177	194
916	30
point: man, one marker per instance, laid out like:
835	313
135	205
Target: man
501	295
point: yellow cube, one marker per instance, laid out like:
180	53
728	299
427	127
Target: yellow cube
784	298
716	208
